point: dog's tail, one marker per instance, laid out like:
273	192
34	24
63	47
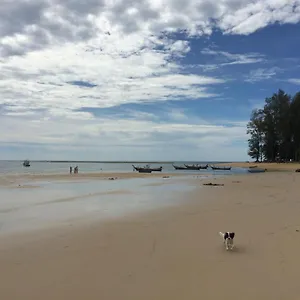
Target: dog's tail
221	234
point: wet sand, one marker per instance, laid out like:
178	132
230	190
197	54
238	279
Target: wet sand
42	204
172	253
21	180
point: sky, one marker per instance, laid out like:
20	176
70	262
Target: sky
134	80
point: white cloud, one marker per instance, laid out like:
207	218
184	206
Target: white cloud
262	74
101	138
119	48
233	58
294	81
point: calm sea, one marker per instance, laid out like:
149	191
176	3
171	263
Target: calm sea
38	167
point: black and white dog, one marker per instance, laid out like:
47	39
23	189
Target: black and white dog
228	239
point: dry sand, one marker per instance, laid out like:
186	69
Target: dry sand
174	253
269	166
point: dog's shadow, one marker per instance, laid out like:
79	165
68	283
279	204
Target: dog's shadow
237	250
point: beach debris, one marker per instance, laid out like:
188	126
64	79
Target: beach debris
297	230
112	178
214	184
166	176
298	171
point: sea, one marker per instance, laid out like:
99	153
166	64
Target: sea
15	167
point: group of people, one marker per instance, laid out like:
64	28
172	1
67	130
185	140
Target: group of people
75	170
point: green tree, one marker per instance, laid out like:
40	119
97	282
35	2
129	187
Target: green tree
295	126
277	133
255	129
275	129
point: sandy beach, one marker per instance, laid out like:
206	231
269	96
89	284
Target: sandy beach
170	253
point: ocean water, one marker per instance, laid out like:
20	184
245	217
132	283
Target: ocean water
38	167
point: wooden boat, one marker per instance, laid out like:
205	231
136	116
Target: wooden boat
146	169
179	167
204	167
195	167
256	170
221	168
26	163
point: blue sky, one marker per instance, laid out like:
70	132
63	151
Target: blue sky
141	81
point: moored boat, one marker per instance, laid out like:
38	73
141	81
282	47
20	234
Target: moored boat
147	169
26	163
196	167
179	167
221	168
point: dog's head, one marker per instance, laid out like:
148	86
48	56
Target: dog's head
229	235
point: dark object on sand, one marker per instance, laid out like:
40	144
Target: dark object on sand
221	168
257	170
214	184
147	169
251	167
298	171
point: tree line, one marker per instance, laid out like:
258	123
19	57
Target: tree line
275	129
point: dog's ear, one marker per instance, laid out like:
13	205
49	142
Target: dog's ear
232	234
226	235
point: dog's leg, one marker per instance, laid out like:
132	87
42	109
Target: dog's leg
232	245
226	244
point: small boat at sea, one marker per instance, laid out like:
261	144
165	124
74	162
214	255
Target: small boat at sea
26	163
147	169
221	168
256	170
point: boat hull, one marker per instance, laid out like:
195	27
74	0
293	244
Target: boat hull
255	170
147	170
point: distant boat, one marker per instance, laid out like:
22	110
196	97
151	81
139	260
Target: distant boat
256	170
147	169
196	167
221	168
180	167
26	163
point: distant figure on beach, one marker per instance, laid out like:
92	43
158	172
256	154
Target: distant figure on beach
76	170
71	170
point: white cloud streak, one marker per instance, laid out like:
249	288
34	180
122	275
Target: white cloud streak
262	74
294	81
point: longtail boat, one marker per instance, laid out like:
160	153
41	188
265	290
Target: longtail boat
147	169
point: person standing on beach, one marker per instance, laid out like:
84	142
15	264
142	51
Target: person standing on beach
71	170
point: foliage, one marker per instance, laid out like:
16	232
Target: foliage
275	129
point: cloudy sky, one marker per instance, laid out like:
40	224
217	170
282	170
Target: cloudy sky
140	79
